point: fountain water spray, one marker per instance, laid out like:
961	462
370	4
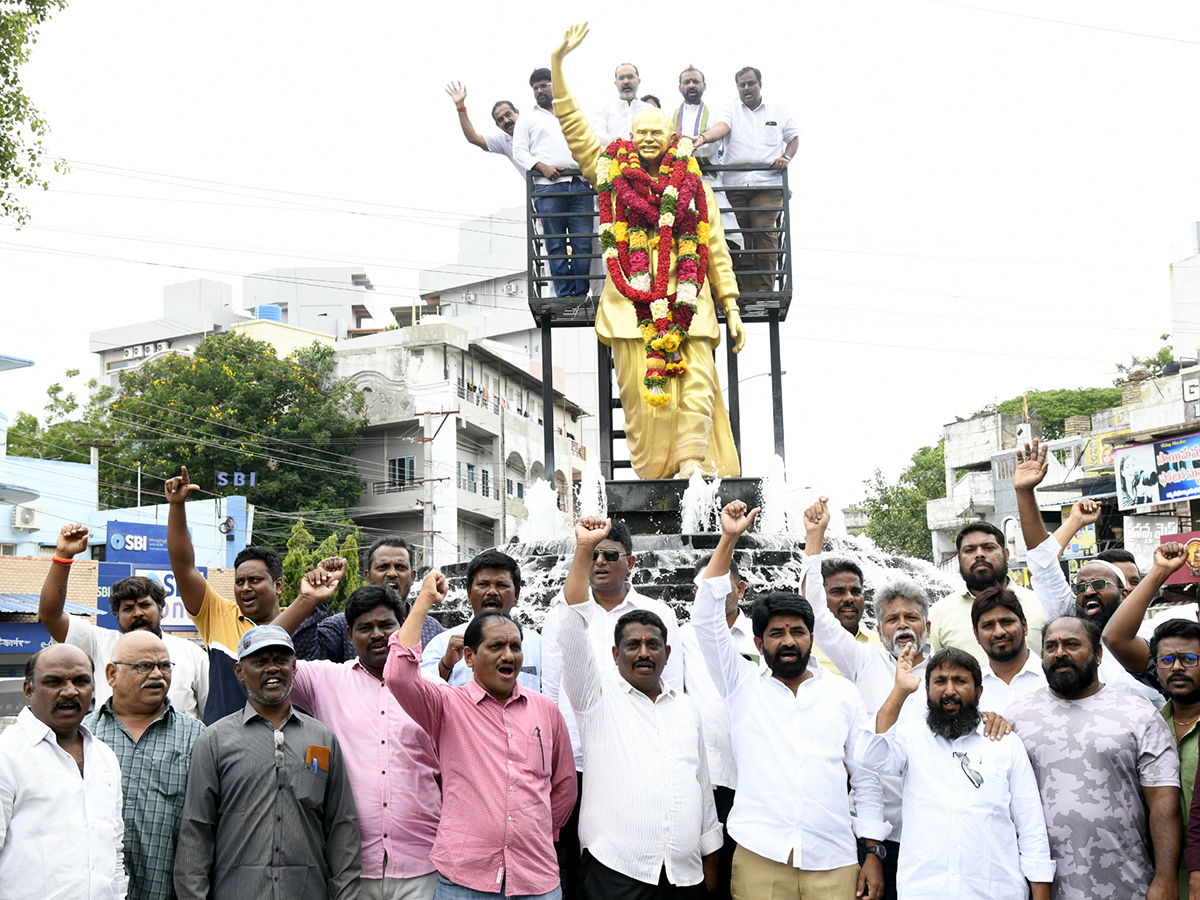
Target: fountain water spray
700	507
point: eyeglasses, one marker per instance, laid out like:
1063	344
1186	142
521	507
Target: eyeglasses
610	555
1187	660
145	668
1096	584
975	777
279	749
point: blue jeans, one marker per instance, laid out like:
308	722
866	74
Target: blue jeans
570	273
448	890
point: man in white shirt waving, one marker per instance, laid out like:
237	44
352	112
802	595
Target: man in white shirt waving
794	727
971	805
641	738
504	114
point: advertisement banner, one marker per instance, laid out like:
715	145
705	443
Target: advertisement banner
1084	542
174	615
1143	534
1162	472
1098	455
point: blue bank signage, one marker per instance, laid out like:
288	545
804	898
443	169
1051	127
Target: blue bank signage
135	548
137	543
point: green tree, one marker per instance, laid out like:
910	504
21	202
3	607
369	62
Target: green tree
234	406
22	127
897	510
1055	407
353	580
1152	364
297	561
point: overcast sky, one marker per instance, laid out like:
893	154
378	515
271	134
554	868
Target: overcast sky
987	196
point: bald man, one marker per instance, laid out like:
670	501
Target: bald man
153	742
60	790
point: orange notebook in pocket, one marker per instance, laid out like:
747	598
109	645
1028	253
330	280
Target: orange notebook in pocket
320	754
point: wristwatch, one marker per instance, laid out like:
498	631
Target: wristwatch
878	850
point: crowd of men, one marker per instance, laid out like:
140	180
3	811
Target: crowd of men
1001	743
746	132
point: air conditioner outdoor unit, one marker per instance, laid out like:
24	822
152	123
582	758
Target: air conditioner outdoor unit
468	297
27	517
510	288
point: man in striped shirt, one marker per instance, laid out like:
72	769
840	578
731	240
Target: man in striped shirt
153	742
640	738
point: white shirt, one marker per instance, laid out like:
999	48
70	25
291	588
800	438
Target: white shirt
1052	588
61	835
615	119
873	671
502	143
601	628
965	842
189	676
644	767
698	684
538	138
997	694
756	136
530	676
792	752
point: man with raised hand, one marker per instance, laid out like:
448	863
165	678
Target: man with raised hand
504	114
389	562
1099	586
508	784
391	761
1172	660
61	815
269	811
137	603
1108	774
791	816
257	582
153	742
493	582
1012	670
640	737
975	825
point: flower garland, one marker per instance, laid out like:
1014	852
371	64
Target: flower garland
672	206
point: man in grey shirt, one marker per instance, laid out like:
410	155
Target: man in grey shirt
269	811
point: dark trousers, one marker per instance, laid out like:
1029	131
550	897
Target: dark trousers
724	800
889	866
598	882
567	848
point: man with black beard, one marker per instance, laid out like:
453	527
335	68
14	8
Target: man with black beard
793	727
1108	773
1172	660
957	782
1099	586
982	562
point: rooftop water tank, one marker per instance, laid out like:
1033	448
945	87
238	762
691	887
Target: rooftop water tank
268	311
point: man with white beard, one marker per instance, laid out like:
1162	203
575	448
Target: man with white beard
902	614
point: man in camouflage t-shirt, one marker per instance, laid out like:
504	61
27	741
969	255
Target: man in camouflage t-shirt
1097	752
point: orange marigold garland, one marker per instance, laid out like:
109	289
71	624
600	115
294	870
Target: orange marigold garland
673	207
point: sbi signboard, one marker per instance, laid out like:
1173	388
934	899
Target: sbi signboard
135	548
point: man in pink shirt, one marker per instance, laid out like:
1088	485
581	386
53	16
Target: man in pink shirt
508	772
391	762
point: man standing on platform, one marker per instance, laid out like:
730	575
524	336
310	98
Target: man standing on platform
563	202
766	134
675	420
691	120
153	742
504	114
614	118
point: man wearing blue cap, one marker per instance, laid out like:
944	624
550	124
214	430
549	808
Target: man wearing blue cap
269	811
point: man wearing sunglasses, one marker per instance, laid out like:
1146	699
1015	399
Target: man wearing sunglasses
956	781
611	590
1108	773
153	742
1172	660
1098	587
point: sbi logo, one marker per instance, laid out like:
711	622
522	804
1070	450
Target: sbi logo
131	542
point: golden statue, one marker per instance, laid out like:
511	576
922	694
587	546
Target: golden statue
662	329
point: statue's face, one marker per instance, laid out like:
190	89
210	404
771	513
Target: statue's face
651	134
